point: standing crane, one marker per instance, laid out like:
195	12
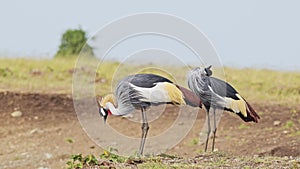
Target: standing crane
216	94
139	92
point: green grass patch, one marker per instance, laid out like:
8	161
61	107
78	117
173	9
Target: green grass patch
69	140
269	129
243	126
154	165
289	124
193	142
295	134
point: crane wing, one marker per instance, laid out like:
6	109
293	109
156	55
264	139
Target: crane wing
222	88
235	102
146	80
162	92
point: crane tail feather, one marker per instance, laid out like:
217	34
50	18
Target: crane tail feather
251	114
243	109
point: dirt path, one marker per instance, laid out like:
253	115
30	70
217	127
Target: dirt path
48	132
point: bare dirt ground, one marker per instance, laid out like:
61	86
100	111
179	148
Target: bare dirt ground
48	132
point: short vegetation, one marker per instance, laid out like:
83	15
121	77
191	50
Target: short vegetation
164	161
34	75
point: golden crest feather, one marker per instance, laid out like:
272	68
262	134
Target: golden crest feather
108	98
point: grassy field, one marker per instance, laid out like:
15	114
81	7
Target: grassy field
55	76
164	161
260	87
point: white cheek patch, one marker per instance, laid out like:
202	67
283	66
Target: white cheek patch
103	112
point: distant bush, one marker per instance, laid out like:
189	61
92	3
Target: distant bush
72	42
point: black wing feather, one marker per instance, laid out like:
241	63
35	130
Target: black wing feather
146	80
222	88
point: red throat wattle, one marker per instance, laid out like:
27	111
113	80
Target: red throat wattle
109	112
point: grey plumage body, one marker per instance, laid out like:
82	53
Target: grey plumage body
218	95
198	82
128	98
140	91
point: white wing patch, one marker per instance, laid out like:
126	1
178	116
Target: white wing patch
156	94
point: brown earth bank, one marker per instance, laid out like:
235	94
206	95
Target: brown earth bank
48	132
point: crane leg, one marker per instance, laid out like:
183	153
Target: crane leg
208	132
214	131
145	128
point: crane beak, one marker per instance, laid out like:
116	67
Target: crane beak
104	119
208	71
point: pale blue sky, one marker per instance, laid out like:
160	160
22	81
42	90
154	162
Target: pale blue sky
264	34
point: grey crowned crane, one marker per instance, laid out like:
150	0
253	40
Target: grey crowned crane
216	94
139	92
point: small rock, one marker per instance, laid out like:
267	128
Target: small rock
25	154
16	114
33	131
48	155
276	123
11	102
36	130
43	168
285	132
36	117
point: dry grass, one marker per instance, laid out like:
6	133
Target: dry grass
55	76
